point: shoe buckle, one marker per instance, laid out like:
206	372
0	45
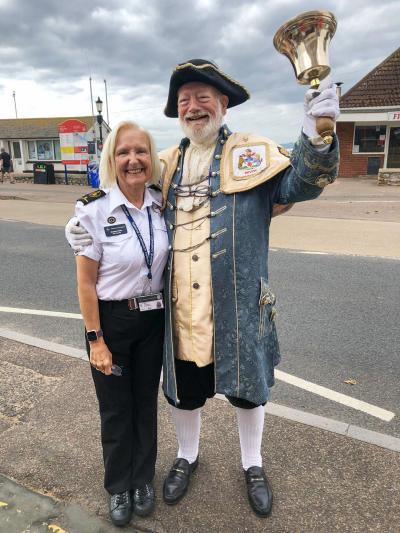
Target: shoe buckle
179	470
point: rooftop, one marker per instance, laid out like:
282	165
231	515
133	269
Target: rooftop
379	88
36	128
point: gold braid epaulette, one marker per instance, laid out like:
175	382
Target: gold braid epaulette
91	196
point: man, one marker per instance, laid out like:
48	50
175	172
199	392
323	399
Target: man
5	162
220	330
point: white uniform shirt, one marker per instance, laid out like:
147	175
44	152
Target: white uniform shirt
122	267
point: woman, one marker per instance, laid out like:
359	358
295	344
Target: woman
119	286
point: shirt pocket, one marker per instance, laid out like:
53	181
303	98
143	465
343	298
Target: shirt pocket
116	248
267	309
159	224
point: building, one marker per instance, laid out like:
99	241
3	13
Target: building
369	124
66	142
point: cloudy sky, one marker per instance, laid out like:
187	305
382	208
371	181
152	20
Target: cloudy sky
50	48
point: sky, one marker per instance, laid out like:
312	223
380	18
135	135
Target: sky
50	48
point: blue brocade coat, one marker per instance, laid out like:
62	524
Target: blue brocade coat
246	348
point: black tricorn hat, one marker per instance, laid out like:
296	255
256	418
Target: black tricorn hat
206	72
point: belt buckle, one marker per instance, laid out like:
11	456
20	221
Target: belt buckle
132	304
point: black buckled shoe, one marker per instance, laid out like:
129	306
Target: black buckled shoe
121	508
177	481
259	491
143	500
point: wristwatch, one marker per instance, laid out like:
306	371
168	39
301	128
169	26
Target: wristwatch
94	335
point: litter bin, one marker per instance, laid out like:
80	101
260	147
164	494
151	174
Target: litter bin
93	174
43	173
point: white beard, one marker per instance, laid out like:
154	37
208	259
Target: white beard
206	133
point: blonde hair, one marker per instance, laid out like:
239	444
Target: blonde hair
107	170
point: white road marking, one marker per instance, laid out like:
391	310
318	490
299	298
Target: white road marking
342	428
39	312
337	397
365	201
332	395
309	253
336	254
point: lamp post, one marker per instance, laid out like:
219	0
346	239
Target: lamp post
15	105
99	106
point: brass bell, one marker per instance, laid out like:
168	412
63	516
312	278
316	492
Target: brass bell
304	40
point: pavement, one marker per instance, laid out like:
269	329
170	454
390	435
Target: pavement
324	479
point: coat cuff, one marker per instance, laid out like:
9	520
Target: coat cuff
314	167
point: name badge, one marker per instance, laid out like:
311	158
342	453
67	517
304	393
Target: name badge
112	231
149	302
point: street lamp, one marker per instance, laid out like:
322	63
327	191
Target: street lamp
15	105
99	106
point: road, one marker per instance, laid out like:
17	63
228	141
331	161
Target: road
337	318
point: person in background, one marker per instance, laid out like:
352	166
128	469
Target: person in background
5	169
120	294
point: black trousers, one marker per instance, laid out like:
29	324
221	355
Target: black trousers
128	403
196	384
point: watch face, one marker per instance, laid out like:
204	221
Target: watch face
91	336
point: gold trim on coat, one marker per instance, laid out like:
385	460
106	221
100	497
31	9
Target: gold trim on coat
278	162
234	282
210	65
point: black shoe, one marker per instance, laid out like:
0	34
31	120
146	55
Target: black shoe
143	500
121	508
177	481
259	490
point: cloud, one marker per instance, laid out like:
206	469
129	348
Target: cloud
51	48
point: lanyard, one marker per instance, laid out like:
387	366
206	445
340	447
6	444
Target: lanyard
148	257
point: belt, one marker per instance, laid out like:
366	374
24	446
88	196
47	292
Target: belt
131	303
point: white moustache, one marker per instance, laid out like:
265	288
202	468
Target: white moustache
196	115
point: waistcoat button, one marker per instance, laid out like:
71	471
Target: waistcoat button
196	285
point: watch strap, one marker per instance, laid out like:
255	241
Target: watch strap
94	335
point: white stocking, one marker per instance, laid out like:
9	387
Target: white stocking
187	428
250	424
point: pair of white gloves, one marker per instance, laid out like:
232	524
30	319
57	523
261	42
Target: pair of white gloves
317	103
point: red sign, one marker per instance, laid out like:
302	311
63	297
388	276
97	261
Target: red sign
75	161
80	149
72	126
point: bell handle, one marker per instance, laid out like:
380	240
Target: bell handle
325	127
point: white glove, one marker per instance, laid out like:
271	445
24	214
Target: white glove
323	102
77	235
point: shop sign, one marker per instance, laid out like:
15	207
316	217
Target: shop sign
394	115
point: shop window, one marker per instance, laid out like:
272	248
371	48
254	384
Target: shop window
32	150
393	159
45	150
369	139
57	150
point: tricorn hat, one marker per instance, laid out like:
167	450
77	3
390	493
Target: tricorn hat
206	72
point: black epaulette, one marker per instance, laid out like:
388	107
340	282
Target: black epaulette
91	196
154	187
